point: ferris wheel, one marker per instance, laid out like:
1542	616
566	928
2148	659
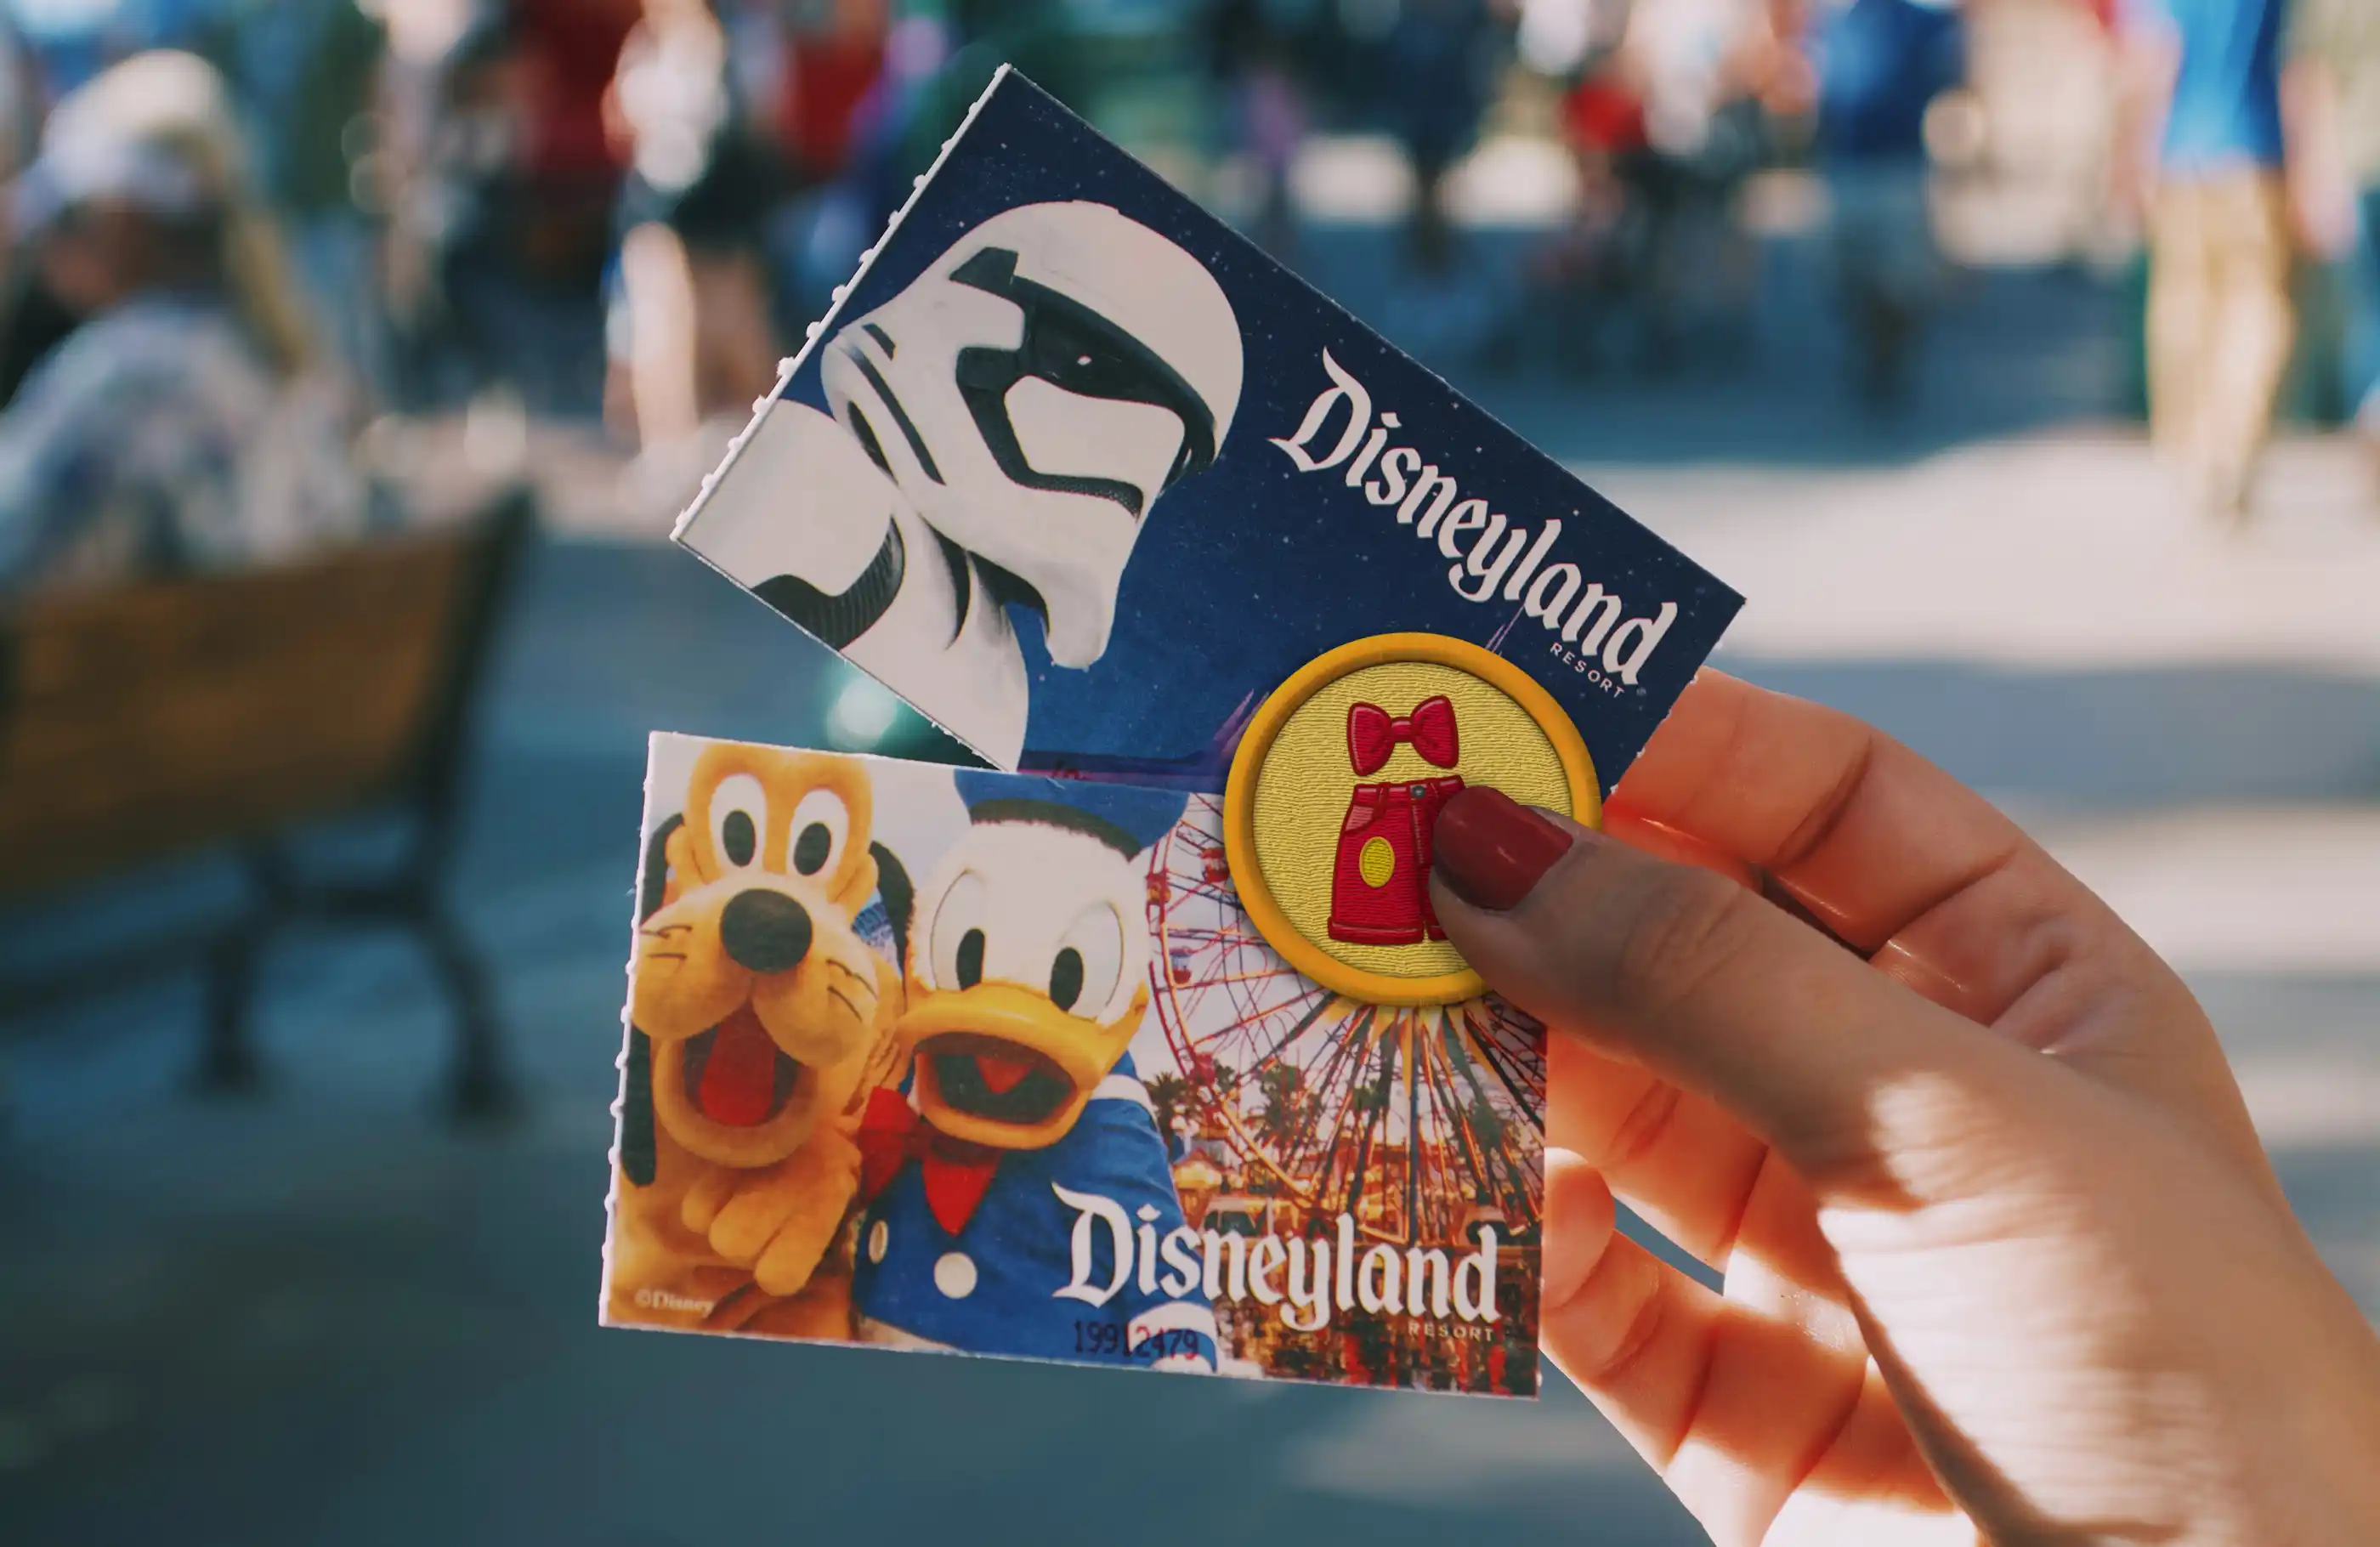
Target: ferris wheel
1421	1122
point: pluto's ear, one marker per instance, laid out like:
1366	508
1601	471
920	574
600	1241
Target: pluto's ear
900	894
637	1158
861	883
653	886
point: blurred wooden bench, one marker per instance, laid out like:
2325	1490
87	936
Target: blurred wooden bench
146	722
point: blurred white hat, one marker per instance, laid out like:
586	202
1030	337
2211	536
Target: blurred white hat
158	133
154	132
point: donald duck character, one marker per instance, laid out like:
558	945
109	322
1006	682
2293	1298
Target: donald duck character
1022	1116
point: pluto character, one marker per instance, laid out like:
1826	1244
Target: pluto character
756	1010
1022	1115
1001	430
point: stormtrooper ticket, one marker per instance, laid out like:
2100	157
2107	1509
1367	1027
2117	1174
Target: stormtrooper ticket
986	1063
1084	476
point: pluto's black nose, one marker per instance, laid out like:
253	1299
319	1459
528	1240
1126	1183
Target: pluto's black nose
764	931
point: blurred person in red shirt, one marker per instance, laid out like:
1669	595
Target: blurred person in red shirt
833	60
495	184
569	52
1581	279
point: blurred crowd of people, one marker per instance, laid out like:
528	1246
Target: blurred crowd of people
239	228
1671	106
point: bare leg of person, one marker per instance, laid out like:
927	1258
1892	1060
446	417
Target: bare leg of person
657	279
2179	317
736	343
2255	327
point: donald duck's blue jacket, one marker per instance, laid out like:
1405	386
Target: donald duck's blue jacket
993	1288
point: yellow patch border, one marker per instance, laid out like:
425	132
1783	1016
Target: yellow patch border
1239	795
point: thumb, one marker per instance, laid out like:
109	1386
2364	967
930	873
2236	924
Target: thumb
1695	978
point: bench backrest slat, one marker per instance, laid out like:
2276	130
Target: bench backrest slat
162	717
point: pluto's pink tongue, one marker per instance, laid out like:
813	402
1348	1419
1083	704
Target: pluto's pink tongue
739	1079
1003	1071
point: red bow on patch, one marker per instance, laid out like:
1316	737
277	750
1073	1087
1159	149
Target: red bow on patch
1372	735
957	1174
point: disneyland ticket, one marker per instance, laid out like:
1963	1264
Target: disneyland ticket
928	1058
1083	475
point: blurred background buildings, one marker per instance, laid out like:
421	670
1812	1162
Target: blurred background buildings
1852	300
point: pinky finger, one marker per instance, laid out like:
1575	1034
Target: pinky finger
1730	1407
1631	1330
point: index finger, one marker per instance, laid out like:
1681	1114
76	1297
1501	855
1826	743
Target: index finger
1863	832
1921	875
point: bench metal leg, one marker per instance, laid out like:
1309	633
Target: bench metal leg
479	1085
227	1061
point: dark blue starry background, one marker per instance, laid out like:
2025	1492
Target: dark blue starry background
1250	569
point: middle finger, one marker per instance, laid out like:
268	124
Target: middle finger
1694	1173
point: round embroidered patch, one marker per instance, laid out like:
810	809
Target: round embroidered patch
1335	791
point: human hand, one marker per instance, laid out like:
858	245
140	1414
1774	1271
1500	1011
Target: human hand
2002	1254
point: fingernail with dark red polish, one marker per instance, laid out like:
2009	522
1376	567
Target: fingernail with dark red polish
1490	849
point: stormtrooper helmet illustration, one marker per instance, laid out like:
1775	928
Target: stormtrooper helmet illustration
1036	390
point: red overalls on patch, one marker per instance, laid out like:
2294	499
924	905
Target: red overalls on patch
1399	816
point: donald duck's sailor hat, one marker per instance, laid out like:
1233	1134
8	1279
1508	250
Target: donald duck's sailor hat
1126	818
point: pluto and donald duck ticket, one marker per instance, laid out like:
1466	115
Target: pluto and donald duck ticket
1144	1046
934	1058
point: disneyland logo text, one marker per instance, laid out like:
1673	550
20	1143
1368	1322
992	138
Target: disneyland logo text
1315	1277
1489	549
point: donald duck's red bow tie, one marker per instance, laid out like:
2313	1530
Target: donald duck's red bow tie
957	1174
1372	733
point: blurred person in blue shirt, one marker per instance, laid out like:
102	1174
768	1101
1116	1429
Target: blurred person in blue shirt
73	41
1435	69
167	433
2221	243
1880	66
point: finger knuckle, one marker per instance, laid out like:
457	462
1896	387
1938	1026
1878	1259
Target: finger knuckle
1644	1128
1637	1315
1689	926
